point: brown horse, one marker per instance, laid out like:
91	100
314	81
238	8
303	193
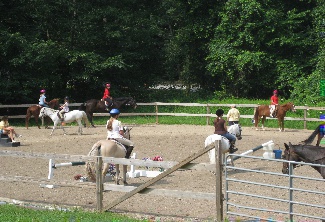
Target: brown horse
304	153
34	110
317	132
94	105
264	111
108	148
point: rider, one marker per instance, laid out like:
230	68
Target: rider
64	108
220	128
233	115
42	99
274	103
107	96
115	131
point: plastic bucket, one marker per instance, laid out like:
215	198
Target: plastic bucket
277	153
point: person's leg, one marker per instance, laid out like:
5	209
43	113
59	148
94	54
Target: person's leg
129	145
232	140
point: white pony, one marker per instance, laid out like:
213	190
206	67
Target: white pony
225	144
69	117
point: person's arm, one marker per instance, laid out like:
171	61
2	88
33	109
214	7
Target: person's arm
225	126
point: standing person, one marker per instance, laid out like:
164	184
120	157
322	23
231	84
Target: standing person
274	103
64	108
107	96
233	115
115	131
5	128
42	99
220	128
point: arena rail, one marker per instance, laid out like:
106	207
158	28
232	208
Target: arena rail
170	167
208	113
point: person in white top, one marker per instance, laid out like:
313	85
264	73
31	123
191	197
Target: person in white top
233	115
64	108
115	132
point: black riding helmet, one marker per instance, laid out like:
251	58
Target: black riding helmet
219	112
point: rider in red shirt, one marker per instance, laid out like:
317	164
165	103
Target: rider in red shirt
107	96
274	103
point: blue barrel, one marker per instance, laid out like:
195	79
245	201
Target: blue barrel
278	154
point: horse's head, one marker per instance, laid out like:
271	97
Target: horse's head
54	103
292	107
42	113
126	131
289	155
235	130
132	103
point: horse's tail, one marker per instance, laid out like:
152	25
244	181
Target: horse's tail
310	139
90	166
82	107
256	113
28	115
85	119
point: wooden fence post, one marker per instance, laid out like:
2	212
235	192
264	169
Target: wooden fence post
99	183
219	166
305	116
208	112
156	113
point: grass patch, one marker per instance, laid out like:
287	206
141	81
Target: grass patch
13	213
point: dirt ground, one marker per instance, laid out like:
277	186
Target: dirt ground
173	143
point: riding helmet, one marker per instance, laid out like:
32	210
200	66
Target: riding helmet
43	91
219	112
107	85
66	98
114	112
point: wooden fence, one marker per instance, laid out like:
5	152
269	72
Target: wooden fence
208	114
132	190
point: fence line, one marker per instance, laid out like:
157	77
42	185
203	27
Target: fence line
208	114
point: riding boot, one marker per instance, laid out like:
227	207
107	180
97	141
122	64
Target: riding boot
232	148
128	151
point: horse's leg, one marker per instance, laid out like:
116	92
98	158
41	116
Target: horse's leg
80	127
36	120
124	174
281	124
117	176
263	120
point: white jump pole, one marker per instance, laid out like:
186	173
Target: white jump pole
252	150
53	166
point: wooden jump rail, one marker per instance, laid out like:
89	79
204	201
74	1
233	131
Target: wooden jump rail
171	167
208	114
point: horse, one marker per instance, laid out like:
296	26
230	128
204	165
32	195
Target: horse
225	144
304	153
264	111
108	148
317	132
75	115
34	110
94	105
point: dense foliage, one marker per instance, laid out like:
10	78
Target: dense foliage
236	48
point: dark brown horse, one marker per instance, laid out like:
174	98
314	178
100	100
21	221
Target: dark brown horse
264	110
317	132
34	110
304	153
97	106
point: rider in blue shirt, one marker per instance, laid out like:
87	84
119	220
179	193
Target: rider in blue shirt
42	99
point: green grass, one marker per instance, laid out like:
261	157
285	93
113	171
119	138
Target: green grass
13	213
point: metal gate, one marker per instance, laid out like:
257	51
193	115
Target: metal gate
256	189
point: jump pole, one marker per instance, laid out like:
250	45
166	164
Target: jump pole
251	150
53	166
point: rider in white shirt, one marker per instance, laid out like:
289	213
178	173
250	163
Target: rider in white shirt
115	131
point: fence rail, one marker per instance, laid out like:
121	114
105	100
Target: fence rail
208	113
